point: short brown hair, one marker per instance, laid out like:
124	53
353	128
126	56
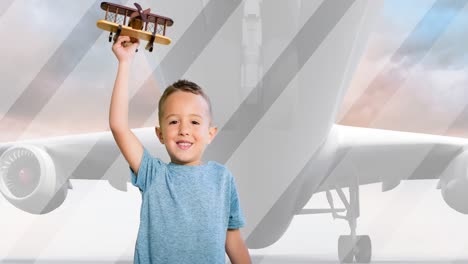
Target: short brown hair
184	86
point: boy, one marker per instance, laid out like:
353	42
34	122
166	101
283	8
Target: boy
190	211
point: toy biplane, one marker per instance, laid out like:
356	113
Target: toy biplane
141	24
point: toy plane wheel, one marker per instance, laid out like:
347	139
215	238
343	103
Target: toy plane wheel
149	46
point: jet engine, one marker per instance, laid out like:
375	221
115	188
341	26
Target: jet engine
454	183
28	179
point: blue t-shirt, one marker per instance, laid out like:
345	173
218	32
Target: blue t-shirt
185	212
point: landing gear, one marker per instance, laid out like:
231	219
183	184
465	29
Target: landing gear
363	253
351	247
149	46
348	250
345	249
117	34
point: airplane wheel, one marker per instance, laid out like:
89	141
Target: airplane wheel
151	49
345	249
363	249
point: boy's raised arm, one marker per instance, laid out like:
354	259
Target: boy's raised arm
128	143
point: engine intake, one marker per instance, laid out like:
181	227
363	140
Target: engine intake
454	183
28	179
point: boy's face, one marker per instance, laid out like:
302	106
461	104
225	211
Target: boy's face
185	127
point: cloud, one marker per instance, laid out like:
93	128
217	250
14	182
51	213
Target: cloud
438	38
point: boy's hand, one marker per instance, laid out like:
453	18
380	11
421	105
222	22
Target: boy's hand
124	49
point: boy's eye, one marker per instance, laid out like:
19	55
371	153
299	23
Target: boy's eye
172	122
195	122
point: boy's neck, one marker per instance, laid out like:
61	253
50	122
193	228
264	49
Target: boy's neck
198	163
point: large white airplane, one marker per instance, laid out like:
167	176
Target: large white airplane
279	138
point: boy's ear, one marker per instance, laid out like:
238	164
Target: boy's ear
213	131
159	134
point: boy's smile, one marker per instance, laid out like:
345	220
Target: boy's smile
183	144
185	127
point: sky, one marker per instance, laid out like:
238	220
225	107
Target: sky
419	85
417	88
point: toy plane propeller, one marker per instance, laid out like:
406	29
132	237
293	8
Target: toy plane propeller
142	24
135	21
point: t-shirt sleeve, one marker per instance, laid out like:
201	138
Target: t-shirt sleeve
236	217
148	168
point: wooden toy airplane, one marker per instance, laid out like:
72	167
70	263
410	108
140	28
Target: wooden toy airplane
141	24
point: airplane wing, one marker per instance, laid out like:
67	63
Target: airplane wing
376	155
68	151
354	156
34	173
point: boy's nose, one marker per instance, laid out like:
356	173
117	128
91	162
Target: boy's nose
183	129
183	133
